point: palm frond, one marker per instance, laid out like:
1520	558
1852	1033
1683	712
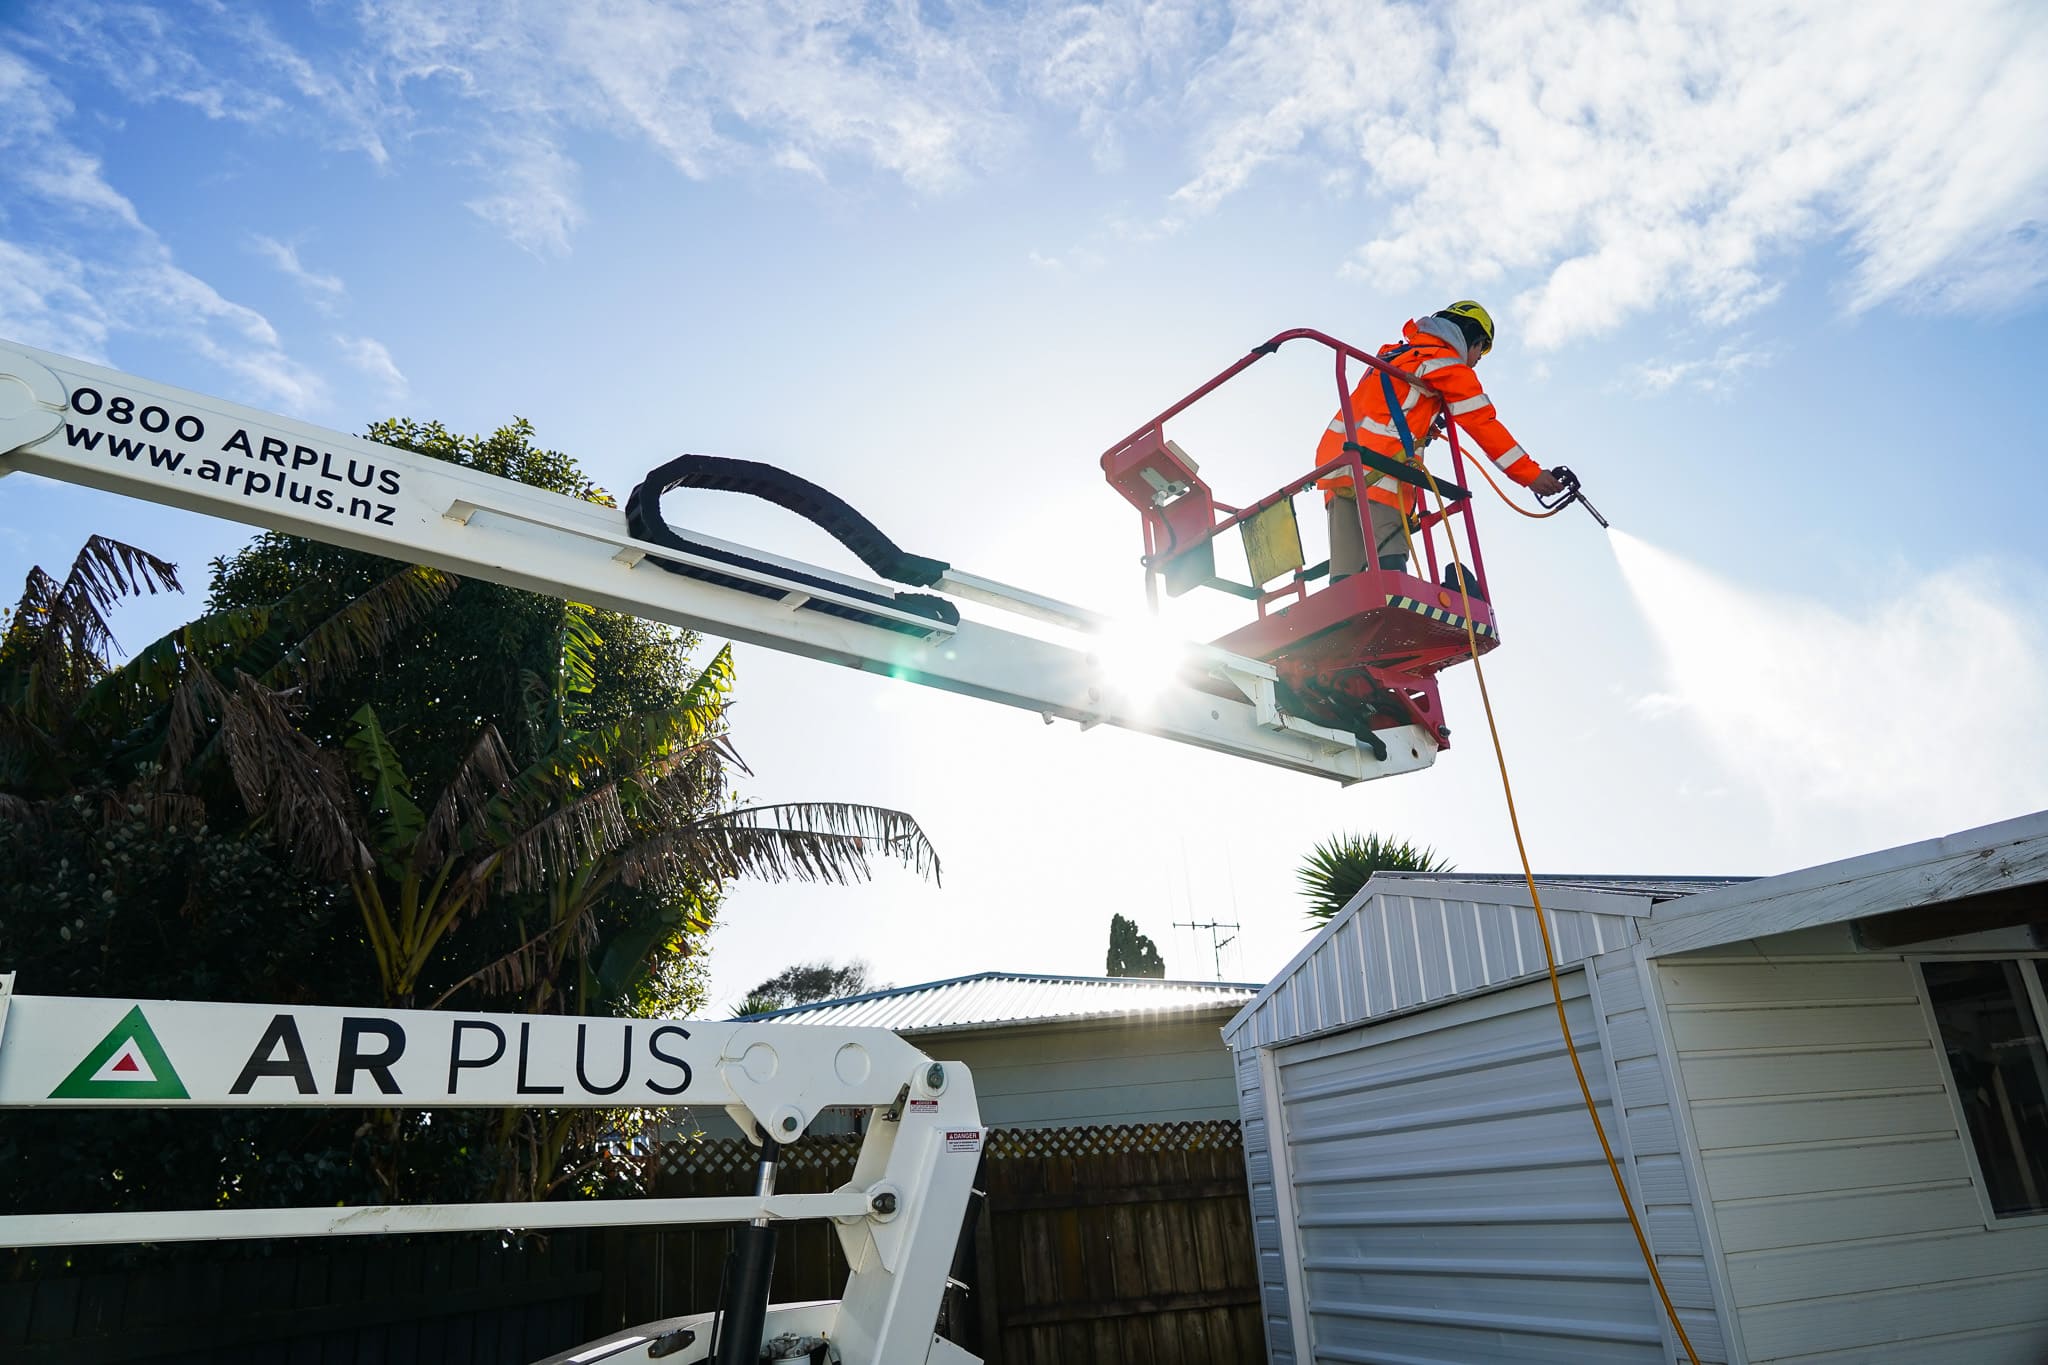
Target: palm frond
1340	866
59	638
713	683
482	775
395	818
807	841
217	641
576	658
157	809
363	627
519	968
196	703
553	836
286	778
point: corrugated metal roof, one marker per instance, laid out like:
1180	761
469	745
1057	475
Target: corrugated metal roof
1656	888
1405	942
989	999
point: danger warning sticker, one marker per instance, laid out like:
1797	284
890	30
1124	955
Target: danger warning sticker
963	1140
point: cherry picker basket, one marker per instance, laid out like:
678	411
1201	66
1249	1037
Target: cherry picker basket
1362	653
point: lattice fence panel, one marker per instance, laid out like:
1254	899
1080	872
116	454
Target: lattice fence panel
1123	1139
733	1158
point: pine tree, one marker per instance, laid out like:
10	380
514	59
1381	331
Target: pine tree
1130	952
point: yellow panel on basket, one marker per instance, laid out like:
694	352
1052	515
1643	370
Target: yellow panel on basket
1272	542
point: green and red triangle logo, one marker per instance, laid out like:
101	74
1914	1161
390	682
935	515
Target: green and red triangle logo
129	1064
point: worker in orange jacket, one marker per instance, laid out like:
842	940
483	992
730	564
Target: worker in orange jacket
1442	348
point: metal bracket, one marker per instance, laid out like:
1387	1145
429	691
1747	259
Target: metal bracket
630	553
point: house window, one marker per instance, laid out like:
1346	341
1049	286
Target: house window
1989	1014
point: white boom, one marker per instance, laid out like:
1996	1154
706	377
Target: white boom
898	1219
65	419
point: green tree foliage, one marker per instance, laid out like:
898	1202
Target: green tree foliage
100	902
806	983
1339	867
492	656
1130	952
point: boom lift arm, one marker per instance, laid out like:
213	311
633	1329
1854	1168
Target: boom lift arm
898	1219
81	423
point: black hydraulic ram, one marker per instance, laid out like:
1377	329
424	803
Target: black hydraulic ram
743	1307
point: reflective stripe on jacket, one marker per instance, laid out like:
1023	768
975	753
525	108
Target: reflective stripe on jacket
1435	352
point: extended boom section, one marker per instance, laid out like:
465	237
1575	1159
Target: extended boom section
69	420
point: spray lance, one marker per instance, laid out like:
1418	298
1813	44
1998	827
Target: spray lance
1572	494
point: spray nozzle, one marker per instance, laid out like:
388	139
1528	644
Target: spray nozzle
1572	494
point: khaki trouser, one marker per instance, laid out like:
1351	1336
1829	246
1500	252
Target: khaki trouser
1347	539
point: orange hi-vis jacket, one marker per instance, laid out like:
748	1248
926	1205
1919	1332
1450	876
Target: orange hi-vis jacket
1435	350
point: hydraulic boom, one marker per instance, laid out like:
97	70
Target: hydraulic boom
69	420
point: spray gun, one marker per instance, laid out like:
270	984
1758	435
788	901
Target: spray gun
1572	494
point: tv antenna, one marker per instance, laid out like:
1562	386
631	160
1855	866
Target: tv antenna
1216	944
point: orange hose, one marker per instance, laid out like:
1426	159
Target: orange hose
1543	925
1484	473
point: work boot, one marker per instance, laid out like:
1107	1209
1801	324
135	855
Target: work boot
1471	581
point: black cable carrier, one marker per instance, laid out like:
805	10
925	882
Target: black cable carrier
822	508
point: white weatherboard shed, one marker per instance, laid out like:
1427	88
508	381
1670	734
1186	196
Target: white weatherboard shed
1826	1090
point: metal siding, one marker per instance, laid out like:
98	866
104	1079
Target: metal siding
1453	1202
1842	1192
1258	1165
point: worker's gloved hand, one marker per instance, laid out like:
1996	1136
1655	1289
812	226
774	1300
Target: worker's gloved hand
1545	485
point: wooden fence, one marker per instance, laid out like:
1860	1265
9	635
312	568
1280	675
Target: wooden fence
1127	1245
1095	1246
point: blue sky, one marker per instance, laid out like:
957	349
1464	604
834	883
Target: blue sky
1769	277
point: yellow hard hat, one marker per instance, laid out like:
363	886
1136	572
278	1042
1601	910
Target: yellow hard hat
1472	312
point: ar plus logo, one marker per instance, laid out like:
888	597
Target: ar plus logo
128	1064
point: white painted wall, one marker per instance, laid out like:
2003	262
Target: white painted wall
1650	1132
1846	1207
1105	1071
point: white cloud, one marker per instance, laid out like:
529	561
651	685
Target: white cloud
324	290
353	111
1114	63
1076	258
1590	162
533	198
142	53
1602	161
114	274
797	85
370	356
1716	373
63	175
43	303
1931	698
